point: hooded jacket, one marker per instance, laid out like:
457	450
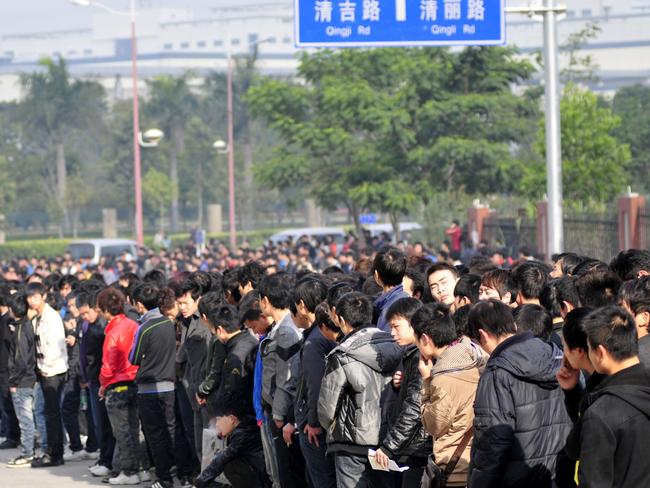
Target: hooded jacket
615	432
354	400
520	420
406	440
448	404
383	303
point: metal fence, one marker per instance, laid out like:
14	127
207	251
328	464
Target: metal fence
594	235
511	233
644	227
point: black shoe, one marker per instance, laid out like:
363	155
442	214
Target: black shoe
46	461
9	444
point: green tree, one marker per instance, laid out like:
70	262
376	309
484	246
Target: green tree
632	105
594	162
159	190
171	104
54	107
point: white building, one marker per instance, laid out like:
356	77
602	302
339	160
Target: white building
173	40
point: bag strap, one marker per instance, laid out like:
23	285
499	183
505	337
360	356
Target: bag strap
451	465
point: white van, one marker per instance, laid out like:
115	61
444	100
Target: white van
318	233
377	229
97	248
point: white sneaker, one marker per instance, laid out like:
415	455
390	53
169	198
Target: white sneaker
92	455
125	479
144	476
99	470
75	456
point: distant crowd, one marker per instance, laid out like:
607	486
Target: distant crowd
324	365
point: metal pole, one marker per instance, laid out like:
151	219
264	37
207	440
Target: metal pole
137	176
231	163
555	232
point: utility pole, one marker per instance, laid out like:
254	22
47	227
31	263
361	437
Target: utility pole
550	11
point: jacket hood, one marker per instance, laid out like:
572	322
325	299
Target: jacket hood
632	385
528	358
372	347
458	357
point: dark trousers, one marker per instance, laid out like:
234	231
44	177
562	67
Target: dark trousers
9	421
102	425
52	387
320	466
121	405
291	463
355	472
158	423
187	462
70	412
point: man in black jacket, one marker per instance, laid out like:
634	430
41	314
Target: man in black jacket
521	423
154	351
318	340
22	377
406	441
8	420
616	424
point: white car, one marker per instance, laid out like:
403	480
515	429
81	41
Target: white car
317	233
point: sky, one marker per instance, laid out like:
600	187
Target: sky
24	16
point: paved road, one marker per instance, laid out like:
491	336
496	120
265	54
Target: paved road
69	475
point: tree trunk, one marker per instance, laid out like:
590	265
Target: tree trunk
61	178
356	214
394	221
75	222
199	196
162	218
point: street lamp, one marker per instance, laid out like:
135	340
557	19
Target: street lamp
137	171
220	146
231	148
150	138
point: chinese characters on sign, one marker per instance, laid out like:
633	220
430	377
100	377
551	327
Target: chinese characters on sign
398	22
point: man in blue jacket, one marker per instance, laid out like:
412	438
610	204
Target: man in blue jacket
388	267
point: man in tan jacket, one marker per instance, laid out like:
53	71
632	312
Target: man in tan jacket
449	386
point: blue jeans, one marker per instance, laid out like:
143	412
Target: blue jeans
23	400
39	416
320	466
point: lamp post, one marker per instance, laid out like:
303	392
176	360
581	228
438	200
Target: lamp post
137	167
231	147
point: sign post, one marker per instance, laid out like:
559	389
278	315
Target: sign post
383	23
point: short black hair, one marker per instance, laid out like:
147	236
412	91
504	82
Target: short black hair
550	296
493	316
536	319
460	317
87	298
390	265
192	286
479	265
598	288
252	272
627	264
573	330
34	288
499	280
209	302
613	328
417	277
569	261
355	309
468	286
71	280
225	316
311	292
249	307
17	303
403	307
442	267
529	278
589	265
324	319
434	320
564	290
148	294
277	289
638	294
155	276
336	291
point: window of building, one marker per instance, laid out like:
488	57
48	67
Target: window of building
200	44
88	52
217	43
271	40
235	42
570	13
168	46
185	45
586	12
287	40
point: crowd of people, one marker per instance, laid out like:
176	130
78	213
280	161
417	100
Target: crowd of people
322	367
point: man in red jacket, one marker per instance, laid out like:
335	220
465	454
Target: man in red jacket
117	380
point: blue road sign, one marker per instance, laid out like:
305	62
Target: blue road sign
367	23
367	219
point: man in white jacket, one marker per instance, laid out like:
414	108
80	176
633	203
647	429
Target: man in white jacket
51	368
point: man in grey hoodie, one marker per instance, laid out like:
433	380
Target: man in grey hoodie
355	397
